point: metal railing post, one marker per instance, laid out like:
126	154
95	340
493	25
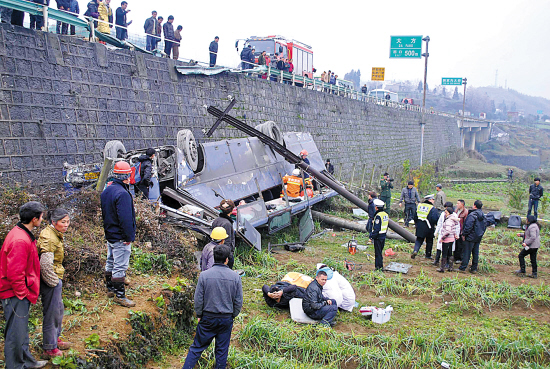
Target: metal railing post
45	16
293	79
92	30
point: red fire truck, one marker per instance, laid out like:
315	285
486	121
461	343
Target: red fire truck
300	53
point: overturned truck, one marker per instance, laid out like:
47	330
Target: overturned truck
190	179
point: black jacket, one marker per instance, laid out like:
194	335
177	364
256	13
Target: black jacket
474	226
536	192
245	54
290	291
168	30
117	209
120	18
227	223
146	170
313	299
329	167
92	9
150	26
213	47
371	209
364	89
422	229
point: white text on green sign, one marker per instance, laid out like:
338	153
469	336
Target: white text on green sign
451	81
405	46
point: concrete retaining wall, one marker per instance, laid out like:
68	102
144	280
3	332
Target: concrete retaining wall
62	99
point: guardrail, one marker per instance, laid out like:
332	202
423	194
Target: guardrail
137	41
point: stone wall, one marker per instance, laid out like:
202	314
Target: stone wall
62	99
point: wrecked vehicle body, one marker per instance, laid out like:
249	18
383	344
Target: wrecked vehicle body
190	180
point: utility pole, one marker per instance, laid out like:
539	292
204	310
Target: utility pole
464	81
423	122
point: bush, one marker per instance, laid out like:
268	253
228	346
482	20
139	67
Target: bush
516	193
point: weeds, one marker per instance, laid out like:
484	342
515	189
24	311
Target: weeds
144	262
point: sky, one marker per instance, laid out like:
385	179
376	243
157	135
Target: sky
469	38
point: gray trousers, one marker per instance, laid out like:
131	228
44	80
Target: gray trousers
53	309
118	259
16	334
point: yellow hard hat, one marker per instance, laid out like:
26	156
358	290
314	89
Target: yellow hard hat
219	233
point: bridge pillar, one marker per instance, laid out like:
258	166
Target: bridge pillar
462	137
473	140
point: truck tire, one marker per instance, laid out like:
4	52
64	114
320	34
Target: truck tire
114	150
188	145
271	130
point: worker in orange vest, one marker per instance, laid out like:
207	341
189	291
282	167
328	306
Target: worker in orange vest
294	184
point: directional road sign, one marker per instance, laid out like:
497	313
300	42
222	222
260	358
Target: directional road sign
539	112
406	47
451	81
378	74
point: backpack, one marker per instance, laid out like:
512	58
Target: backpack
479	228
135	174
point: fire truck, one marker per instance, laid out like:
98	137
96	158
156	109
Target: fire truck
300	53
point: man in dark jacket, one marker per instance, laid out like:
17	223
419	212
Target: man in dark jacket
245	57
120	20
329	167
474	228
280	294
213	51
371	210
364	89
425	221
93	10
146	172
536	192
119	223
378	234
225	221
218	300
150	28
62	28
75	10
410	196
19	286
168	29
315	305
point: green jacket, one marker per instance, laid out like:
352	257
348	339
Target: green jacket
385	188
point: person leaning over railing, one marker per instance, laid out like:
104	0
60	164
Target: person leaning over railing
92	10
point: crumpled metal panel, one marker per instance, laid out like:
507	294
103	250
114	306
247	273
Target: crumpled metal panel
298	141
398	267
232	166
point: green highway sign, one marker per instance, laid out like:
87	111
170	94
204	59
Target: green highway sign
451	81
406	47
539	112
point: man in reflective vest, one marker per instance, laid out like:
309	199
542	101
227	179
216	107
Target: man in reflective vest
425	222
378	234
294	184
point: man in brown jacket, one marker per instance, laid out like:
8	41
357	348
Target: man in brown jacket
176	45
462	213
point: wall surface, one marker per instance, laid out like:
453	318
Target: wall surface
62	99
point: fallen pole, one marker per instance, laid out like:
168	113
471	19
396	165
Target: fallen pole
295	159
347	224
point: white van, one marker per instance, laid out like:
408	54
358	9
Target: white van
382	95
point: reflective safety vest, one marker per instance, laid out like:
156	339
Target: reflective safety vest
423	210
293	187
385	221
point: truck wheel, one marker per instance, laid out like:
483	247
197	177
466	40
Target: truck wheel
114	150
271	130
188	145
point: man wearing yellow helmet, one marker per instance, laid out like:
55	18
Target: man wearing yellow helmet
218	237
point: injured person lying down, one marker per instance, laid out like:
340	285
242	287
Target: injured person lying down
280	294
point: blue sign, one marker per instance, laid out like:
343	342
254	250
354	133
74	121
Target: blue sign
540	112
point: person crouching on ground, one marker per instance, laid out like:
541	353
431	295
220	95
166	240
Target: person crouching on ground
315	305
19	286
218	300
50	250
449	234
225	221
378	234
531	244
218	236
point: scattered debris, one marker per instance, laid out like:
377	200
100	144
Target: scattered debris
398	267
